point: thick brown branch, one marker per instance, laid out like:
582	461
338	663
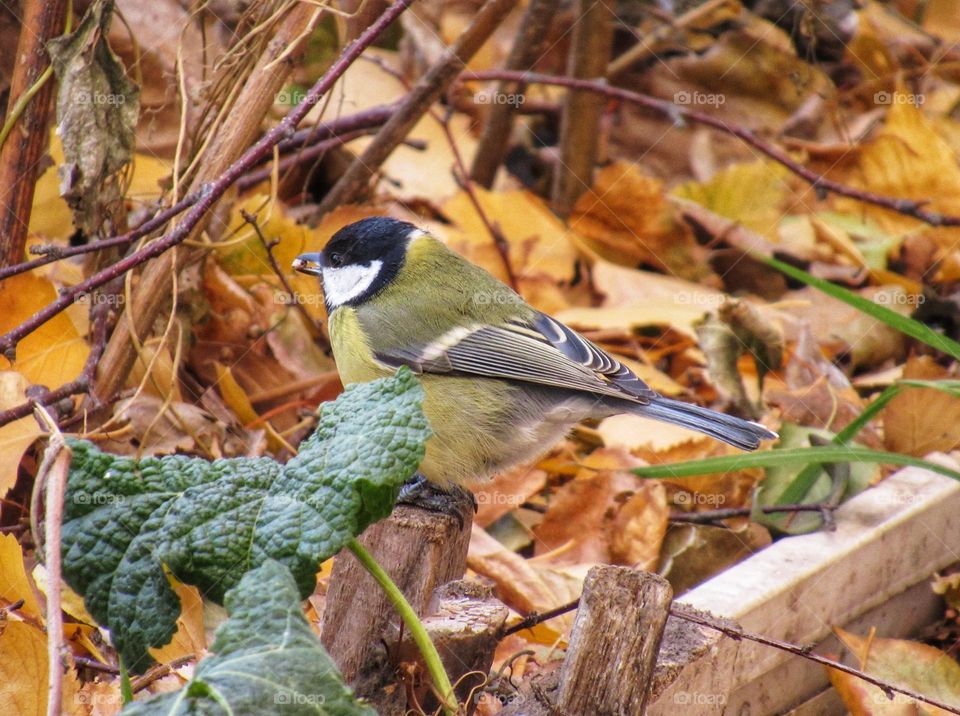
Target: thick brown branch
907	207
509	95
20	156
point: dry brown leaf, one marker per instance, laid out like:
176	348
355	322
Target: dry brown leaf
604	515
625	218
909	664
919	421
506	492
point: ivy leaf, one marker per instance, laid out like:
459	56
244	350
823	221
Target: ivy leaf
127	521
267	660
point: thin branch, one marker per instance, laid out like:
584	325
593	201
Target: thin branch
269	246
53	474
509	96
711	516
907	207
51	253
100	320
427	90
734	631
211	191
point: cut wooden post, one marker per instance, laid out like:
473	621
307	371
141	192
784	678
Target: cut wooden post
420	551
614	643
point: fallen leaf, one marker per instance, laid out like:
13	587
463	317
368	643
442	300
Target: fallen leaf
694	553
908	664
506	492
16	436
23	673
190	637
14	583
53	354
919	421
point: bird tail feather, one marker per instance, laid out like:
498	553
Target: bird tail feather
740	433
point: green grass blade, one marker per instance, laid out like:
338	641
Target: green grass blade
905	325
792	456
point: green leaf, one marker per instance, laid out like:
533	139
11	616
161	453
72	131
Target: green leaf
905	325
779	480
267	660
790	456
211	522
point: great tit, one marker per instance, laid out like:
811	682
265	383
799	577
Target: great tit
502	381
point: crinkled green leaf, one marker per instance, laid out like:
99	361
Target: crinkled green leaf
267	660
97	108
211	522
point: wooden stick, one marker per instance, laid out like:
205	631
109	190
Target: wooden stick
21	152
580	123
523	56
614	643
354	182
420	551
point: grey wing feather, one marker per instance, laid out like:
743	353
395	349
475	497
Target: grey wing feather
543	351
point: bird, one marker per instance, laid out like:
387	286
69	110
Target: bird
502	381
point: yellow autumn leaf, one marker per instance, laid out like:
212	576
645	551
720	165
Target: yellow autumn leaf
751	193
17	436
70	601
538	244
190	637
907	159
23	673
54	353
14	583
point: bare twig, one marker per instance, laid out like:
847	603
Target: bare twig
269	246
735	632
53	474
907	207
710	516
465	183
42	20
725	626
159	671
582	110
524	54
428	90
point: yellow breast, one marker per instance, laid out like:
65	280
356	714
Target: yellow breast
351	350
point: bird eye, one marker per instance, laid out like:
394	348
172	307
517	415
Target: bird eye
335	260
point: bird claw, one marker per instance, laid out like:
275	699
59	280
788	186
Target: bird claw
421	493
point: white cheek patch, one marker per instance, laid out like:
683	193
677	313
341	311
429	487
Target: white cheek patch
344	284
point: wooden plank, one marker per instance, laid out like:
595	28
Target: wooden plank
888	539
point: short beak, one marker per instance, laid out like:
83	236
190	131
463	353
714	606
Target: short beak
311	264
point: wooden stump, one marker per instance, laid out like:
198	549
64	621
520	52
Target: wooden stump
420	551
614	643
